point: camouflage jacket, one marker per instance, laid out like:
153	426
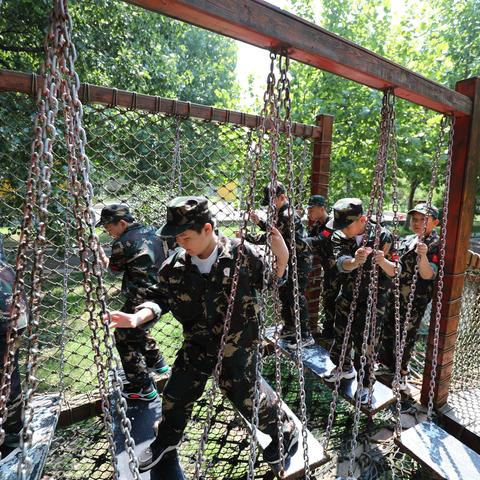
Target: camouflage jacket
199	301
138	253
408	260
320	241
344	248
7	277
304	253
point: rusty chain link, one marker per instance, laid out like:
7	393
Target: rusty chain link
287	106
447	123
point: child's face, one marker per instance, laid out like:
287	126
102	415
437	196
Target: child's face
115	229
316	213
416	223
195	243
355	228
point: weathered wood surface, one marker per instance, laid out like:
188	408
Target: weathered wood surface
317	360
441	453
22	82
295	467
266	26
46	411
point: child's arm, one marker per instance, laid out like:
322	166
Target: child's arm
386	265
279	249
147	311
424	268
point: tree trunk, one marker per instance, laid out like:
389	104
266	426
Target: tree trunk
411	196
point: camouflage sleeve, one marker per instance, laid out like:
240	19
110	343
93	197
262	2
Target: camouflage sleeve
433	258
256	238
159	293
256	266
341	251
117	257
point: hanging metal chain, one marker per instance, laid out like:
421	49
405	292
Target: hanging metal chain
447	123
257	151
177	159
37	196
396	278
379	174
81	187
287	106
371	313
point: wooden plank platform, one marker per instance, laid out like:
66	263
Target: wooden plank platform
317	359
295	467
441	453
460	417
142	416
46	412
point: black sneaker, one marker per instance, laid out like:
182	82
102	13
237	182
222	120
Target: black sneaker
134	392
160	367
153	454
12	440
271	454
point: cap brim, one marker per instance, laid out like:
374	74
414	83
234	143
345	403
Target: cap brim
170	231
100	223
330	225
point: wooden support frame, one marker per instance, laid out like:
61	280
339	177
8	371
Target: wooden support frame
465	162
319	183
11	81
266	26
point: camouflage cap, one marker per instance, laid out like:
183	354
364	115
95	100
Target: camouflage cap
266	192
317	201
114	213
184	213
424	209
345	212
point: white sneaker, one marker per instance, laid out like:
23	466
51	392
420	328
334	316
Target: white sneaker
337	374
364	393
403	385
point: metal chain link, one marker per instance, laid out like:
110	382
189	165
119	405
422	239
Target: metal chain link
447	122
369	332
287	105
257	151
384	125
81	187
37	196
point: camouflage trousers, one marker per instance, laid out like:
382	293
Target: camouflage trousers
14	422
138	351
357	333
285	292
387	347
331	288
190	372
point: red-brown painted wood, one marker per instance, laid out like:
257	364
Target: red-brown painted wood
466	158
263	25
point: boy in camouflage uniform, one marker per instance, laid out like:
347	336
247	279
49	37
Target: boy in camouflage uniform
320	240
14	423
351	225
195	286
410	251
137	252
304	265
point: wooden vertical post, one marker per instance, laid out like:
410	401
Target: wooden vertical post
319	181
465	161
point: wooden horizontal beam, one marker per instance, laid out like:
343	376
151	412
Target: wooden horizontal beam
26	83
261	24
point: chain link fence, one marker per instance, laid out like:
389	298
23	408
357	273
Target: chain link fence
145	159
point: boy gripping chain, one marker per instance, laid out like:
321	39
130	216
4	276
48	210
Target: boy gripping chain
320	239
137	252
195	286
304	265
14	422
427	252
350	255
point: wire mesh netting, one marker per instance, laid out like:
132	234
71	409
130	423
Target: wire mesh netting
145	159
